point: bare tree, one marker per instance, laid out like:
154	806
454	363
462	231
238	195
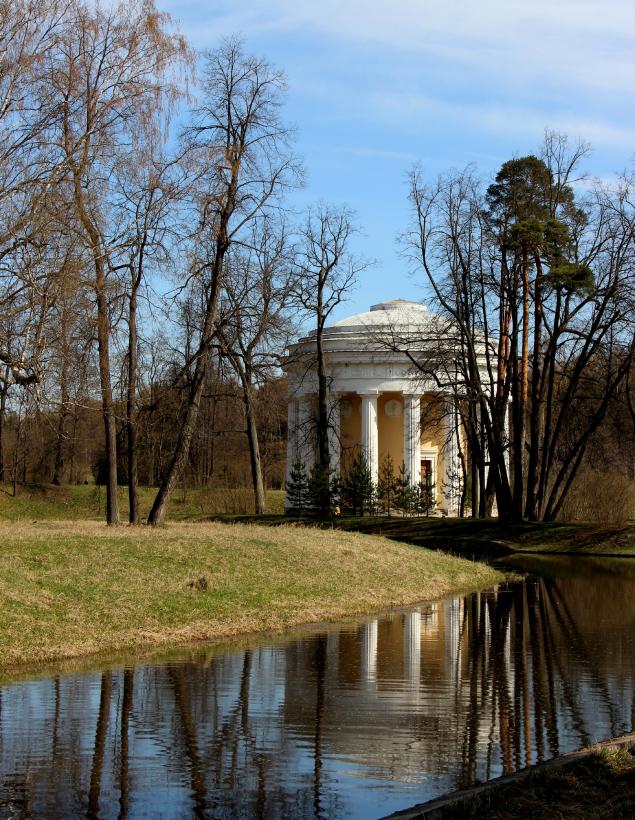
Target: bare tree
327	272
148	198
29	30
255	325
239	152
109	76
560	273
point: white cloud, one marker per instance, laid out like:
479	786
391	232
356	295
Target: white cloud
499	67
578	41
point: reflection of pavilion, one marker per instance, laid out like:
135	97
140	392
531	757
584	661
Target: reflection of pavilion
395	646
410	625
376	403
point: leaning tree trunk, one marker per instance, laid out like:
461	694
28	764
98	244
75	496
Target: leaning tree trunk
254	448
184	439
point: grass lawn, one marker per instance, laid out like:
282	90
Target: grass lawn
462	536
73	588
88	502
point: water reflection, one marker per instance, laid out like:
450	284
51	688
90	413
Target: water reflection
358	720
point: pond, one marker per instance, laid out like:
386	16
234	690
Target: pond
354	720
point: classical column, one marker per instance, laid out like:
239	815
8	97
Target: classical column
335	447
452	469
370	433
306	432
412	437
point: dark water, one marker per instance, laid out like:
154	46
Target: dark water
351	721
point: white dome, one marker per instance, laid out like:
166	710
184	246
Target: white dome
396	313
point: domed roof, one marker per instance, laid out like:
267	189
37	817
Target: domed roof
396	313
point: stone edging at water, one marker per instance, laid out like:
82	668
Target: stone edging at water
438	808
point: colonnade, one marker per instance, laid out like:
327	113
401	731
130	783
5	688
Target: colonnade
301	439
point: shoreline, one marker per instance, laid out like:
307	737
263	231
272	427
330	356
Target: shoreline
73	591
476	538
495	794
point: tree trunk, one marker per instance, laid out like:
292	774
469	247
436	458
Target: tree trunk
110	422
524	356
60	446
474	477
179	457
72	455
550	388
58	472
16	453
520	459
4	389
103	347
131	409
517	428
254	447
323	414
482	474
535	415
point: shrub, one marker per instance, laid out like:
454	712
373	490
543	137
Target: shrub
358	490
608	498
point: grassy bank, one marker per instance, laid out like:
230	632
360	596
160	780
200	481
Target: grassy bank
585	786
87	502
69	589
477	537
474	535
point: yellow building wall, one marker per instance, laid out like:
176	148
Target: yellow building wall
350	430
390	430
432	436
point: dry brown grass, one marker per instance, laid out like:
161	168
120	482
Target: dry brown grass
73	588
601	785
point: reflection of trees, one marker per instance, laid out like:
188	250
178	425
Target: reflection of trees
126	708
101	732
530	670
234	767
188	733
320	679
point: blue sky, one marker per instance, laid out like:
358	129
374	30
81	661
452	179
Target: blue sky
375	87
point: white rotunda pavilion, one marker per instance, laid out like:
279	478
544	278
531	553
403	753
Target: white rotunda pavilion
379	403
